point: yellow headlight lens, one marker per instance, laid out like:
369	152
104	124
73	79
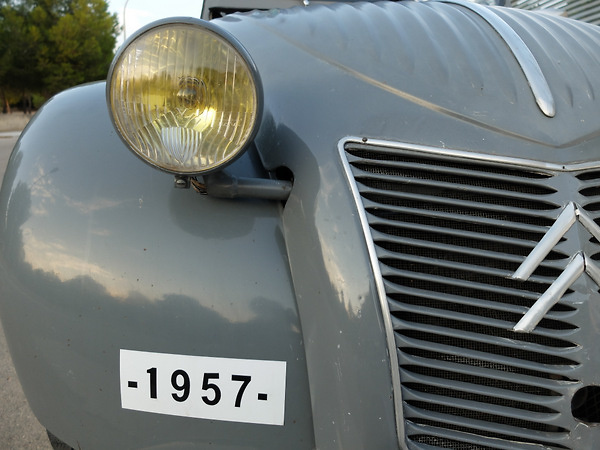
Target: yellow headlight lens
184	97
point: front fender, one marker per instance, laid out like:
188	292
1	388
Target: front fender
99	253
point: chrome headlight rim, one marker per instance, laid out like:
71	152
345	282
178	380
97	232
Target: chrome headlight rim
229	40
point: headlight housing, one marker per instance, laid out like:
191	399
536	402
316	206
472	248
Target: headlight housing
185	96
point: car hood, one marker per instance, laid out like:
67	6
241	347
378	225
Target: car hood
429	73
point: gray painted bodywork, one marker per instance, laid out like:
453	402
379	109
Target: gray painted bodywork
163	278
100	253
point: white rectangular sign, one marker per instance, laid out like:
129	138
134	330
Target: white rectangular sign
234	390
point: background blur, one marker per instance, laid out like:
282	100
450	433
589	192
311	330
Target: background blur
47	46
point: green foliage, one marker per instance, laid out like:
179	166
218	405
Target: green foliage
49	45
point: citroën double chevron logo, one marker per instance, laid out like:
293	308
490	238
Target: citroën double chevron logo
578	264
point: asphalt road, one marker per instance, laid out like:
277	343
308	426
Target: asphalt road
19	429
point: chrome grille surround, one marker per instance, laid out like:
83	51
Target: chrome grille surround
446	230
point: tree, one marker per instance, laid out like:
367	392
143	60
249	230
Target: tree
17	53
82	42
49	45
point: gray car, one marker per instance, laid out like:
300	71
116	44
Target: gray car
336	225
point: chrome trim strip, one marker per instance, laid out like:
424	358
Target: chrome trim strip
442	151
592	269
565	220
587	222
553	294
579	264
378	277
569	215
529	65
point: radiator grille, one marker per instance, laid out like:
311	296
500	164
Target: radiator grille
448	233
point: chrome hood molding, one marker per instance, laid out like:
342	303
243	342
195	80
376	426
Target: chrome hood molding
437	56
523	55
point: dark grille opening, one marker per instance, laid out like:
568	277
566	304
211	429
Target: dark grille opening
463	258
473	431
586	404
452	239
451	177
433	205
471	292
486	417
593	207
440	442
590	192
481	381
591	175
471	277
479	398
486	347
367	152
478	311
448	193
492	365
462	225
479	328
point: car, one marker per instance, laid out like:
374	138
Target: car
332	225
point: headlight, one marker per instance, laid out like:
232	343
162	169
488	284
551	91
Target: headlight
184	96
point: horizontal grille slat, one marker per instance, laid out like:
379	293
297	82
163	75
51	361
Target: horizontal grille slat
480	394
463	438
476	403
371	153
448	234
480	194
398	257
450	176
505	428
448	302
446	264
456	437
443	344
455	394
428	351
493	285
415	300
463	240
451	335
444	372
432	285
500	328
457	221
389	249
387	229
504	210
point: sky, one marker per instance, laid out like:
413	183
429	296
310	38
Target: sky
140	12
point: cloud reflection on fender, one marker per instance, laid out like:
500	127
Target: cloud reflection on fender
143	239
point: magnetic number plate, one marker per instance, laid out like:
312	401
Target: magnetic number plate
234	390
